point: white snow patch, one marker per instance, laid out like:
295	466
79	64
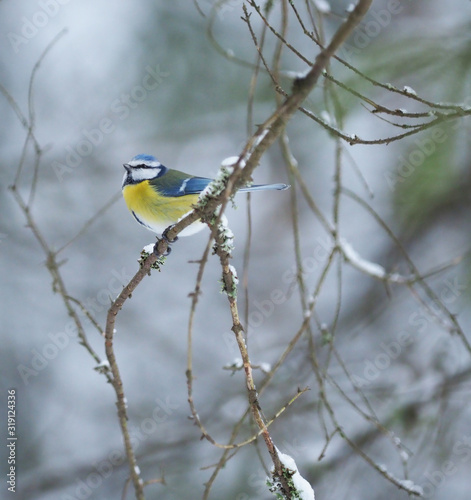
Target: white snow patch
412	487
404	456
326	117
260	137
302	486
149	248
233	271
238	363
229	161
184	215
322	6
295	74
409	90
207	190
406	484
360	263
227	236
216	187
265	367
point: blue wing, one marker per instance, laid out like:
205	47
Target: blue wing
175	183
194	185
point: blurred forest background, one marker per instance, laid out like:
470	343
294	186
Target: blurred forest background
387	363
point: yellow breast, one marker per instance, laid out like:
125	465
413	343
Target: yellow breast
153	210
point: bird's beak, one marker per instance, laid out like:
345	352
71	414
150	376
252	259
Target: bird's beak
127	167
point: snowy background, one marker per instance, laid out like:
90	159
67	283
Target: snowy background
144	77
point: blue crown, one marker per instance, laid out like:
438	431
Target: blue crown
145	158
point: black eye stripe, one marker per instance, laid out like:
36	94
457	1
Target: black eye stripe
144	171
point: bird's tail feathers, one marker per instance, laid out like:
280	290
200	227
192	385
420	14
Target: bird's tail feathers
263	187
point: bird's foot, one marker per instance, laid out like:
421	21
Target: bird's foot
167	240
159	252
165	235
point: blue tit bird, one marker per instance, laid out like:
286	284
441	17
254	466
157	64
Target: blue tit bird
159	197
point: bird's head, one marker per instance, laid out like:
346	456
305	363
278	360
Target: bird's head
141	168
